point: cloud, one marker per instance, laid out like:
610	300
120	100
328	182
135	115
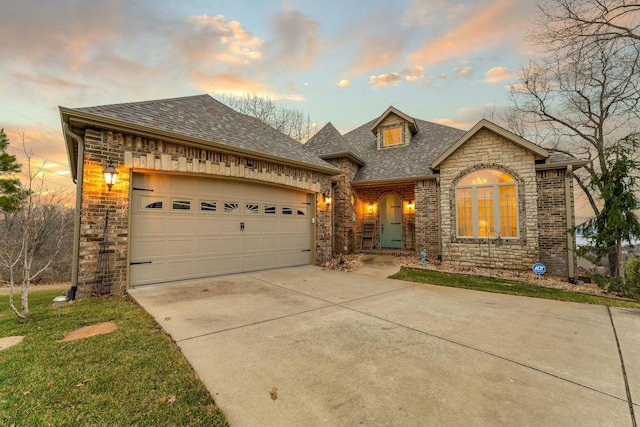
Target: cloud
433	12
232	83
344	83
376	52
455	123
414	74
463	71
492	24
213	38
498	74
295	43
388	79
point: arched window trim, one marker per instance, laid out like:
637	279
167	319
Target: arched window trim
495	231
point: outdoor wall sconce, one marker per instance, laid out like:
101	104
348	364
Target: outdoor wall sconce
110	175
410	205
326	196
370	207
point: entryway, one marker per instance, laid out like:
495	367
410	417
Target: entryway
391	222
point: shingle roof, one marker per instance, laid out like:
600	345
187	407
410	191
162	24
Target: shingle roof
408	161
206	119
328	143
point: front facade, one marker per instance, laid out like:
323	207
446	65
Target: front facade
203	190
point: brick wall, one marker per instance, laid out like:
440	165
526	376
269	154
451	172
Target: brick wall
428	218
552	219
128	152
344	232
487	150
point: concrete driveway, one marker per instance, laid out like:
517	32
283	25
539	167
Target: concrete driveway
356	348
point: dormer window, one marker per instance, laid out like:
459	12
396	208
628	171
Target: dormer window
392	136
394	129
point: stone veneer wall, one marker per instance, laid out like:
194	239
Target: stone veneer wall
366	195
127	152
552	219
392	121
487	150
428	218
344	227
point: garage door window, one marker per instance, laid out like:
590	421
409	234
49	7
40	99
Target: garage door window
208	206
181	205
287	211
251	208
151	202
269	210
230	207
301	212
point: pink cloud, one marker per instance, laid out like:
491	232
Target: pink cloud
492	25
388	79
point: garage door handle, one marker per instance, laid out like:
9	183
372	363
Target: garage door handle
242	226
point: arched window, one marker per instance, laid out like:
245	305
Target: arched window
486	205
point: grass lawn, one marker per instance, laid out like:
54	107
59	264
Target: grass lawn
505	287
135	375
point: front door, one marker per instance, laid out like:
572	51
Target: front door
391	222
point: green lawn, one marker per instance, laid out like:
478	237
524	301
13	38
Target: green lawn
505	287
133	376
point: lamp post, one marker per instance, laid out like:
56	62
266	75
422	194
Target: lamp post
110	175
102	284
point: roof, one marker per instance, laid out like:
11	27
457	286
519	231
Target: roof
405	162
328	143
539	152
200	121
429	147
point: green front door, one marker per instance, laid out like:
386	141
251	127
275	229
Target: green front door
391	222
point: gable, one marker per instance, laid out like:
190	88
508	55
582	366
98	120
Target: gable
536	151
394	129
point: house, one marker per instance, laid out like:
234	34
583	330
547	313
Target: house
203	190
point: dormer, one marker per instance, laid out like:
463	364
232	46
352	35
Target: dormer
394	129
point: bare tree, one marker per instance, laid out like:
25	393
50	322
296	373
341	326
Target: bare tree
582	95
586	23
290	121
41	221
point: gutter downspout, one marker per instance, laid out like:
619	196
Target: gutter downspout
71	295
571	240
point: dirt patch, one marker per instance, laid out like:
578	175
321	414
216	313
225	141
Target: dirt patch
7	342
91	330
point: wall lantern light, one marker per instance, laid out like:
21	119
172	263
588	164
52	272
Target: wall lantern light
410	205
326	196
110	175
370	207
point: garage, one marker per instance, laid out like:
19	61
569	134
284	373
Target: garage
187	227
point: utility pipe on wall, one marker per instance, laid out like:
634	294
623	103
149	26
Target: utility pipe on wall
78	213
571	241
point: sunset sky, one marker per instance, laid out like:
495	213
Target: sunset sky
342	61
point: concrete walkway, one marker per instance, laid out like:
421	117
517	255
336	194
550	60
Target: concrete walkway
356	348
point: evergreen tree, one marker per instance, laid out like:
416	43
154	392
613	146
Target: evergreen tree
10	191
616	222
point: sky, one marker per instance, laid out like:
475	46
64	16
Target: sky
340	61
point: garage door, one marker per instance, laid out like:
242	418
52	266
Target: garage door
191	227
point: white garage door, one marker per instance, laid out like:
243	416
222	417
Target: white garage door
190	227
